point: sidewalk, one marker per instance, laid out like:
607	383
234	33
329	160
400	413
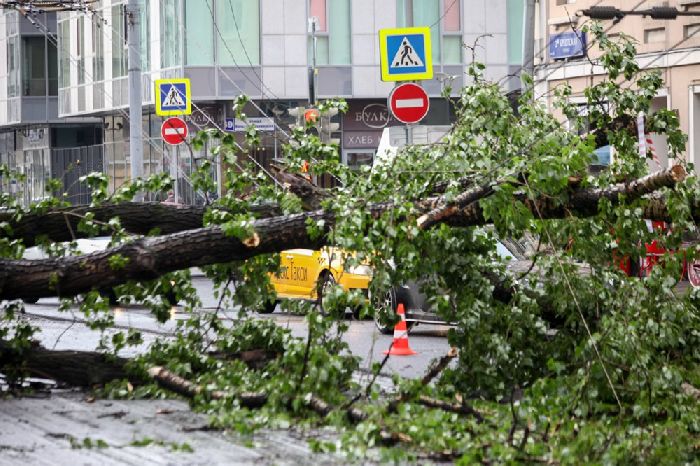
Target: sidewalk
68	428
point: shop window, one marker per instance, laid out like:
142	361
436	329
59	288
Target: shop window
332	32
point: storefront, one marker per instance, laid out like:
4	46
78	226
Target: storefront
362	129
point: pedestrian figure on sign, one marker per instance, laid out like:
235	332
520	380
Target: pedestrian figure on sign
173	99
406	55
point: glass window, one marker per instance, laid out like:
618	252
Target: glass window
452	32
33	66
170	33
145	30
98	50
332	32
118	45
199	27
450	20
444	19
339	33
80	49
239	24
427	13
515	11
654	35
317	9
13	67
64	51
691	30
53	69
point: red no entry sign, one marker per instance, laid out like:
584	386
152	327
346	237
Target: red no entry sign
409	103
174	131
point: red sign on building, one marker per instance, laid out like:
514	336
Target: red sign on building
174	131
409	103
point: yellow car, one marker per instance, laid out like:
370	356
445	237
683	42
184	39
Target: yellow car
305	274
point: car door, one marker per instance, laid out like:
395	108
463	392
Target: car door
295	278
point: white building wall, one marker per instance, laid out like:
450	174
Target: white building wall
369	16
284	44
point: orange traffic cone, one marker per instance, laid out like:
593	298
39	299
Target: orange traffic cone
400	346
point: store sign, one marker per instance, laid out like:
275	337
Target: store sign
204	116
361	139
34	138
260	123
567	45
365	115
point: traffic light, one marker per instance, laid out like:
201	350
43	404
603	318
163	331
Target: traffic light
318	121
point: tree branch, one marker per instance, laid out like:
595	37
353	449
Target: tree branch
150	257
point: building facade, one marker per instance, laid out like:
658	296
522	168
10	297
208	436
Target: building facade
33	139
671	47
264	49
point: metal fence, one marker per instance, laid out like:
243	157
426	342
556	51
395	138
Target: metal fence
69	165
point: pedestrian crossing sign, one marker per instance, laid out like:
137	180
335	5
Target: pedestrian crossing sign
173	97
405	54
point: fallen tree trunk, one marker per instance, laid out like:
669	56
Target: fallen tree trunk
139	218
75	368
151	257
582	202
184	387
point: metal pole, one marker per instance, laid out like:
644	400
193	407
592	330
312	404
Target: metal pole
529	39
314	75
133	9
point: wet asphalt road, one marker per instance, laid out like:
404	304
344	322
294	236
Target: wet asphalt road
68	331
45	428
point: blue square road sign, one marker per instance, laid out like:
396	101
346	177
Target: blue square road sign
406	54
173	97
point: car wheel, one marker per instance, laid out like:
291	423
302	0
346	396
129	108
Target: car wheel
171	298
381	308
694	273
268	307
110	295
326	282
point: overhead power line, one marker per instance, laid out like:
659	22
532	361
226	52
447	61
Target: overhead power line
41	6
615	14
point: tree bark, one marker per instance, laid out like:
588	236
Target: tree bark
582	202
148	258
139	218
75	368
